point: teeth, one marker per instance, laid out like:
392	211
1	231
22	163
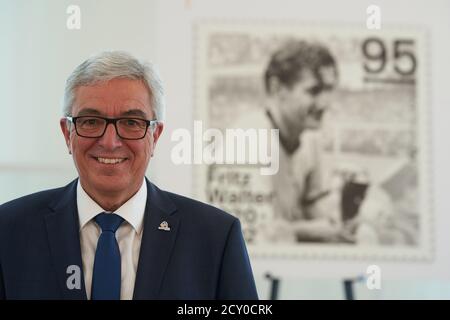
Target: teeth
110	161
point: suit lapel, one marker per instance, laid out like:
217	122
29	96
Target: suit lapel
157	245
64	241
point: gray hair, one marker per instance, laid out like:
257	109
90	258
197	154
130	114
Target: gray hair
109	65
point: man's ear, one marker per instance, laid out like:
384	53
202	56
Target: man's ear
157	132
65	128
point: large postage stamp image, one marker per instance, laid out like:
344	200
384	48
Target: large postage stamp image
350	110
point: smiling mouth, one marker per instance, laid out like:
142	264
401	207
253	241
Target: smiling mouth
110	160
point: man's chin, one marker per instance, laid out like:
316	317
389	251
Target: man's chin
111	185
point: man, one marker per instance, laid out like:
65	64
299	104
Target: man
122	236
299	79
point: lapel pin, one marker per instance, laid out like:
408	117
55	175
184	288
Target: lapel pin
164	226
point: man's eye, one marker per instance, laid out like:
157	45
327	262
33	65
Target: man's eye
89	122
131	123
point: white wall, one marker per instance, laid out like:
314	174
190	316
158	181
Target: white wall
38	53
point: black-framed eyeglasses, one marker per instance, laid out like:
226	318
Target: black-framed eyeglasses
126	128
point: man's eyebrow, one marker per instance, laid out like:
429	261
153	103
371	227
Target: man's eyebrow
134	112
131	112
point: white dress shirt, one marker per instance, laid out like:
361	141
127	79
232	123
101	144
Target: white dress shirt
129	236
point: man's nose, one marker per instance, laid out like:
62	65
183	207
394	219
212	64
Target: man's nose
110	139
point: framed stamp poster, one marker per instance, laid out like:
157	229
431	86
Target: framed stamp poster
319	136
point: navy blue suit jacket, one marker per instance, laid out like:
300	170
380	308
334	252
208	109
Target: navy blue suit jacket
203	256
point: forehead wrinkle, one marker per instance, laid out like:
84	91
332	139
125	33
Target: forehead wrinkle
135	104
126	99
84	102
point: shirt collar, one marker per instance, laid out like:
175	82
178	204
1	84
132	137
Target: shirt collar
132	211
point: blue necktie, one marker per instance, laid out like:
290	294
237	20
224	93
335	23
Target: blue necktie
106	276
